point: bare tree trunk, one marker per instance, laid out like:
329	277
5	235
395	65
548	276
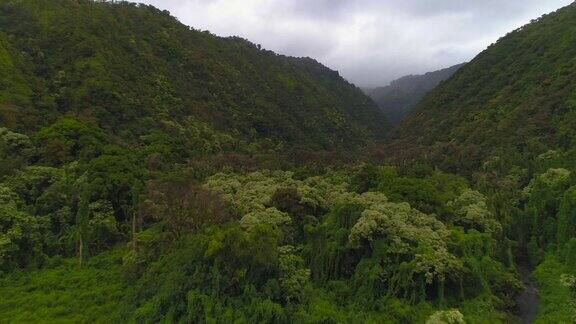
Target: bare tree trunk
134	247
135	215
80	251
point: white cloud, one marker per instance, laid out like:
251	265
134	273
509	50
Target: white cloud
369	41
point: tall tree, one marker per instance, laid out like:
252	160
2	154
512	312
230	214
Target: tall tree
82	217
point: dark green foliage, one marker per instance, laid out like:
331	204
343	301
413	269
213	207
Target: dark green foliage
369	177
207	274
289	201
422	187
136	72
331	257
62	292
567	217
16	151
153	173
568	253
507	120
515	98
187	259
556	306
397	99
69	139
22	235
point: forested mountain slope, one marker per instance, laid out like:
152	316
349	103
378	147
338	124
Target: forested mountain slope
507	120
143	178
517	98
133	70
397	99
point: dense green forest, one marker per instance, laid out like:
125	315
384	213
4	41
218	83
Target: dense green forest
136	72
506	121
398	98
514	101
154	173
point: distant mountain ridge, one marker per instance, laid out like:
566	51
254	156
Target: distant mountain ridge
515	100
397	99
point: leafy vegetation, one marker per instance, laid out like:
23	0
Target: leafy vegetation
556	293
287	250
63	292
398	98
160	174
506	120
514	101
138	73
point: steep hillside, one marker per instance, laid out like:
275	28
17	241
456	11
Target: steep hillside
397	99
150	173
517	100
133	69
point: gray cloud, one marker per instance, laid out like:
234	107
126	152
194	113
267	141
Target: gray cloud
369	41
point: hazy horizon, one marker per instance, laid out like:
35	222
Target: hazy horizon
369	42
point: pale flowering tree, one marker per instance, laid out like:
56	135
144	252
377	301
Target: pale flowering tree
270	216
471	211
415	236
404	251
452	316
251	194
408	233
253	191
551	179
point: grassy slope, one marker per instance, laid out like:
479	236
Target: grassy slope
65	293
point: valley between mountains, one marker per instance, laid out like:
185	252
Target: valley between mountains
151	172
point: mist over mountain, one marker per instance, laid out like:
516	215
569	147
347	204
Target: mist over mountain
516	97
397	99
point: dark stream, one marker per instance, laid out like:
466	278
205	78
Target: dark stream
528	301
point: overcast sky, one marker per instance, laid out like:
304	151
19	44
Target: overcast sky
370	42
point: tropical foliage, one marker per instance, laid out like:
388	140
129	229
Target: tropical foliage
154	173
142	76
